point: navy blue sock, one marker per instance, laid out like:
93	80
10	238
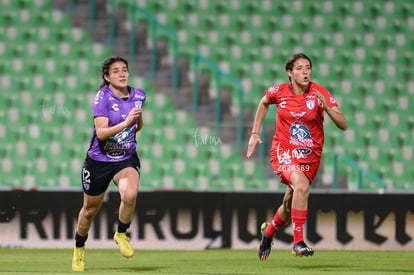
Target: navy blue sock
80	240
122	227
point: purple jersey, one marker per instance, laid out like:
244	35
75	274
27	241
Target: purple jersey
122	145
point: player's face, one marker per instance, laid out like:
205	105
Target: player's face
118	76
301	72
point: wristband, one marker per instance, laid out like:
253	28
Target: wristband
255	133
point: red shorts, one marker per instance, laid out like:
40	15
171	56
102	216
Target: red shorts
285	169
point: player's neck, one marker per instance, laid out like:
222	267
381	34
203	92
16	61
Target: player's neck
299	89
120	92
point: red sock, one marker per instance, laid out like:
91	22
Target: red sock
276	223
298	219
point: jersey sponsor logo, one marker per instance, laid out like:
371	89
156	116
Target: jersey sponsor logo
283	156
297	115
99	95
310	104
301	153
115	154
299	131
122	136
274	89
115	107
300	135
140	97
117	146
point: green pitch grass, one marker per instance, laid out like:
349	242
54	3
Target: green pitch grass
110	261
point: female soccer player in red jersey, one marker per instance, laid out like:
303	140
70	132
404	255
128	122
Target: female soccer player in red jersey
296	147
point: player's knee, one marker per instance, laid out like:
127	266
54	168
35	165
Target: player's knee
300	183
303	190
90	212
129	199
130	196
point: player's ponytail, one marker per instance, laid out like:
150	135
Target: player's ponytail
107	64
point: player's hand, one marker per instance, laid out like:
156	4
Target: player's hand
133	115
254	139
321	99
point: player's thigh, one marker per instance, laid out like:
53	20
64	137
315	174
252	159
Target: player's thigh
92	204
299	181
127	181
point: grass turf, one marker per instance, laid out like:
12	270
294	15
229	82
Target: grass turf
221	261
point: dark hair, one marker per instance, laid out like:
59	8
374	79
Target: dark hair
293	59
107	64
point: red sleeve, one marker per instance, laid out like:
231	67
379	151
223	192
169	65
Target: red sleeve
330	100
272	94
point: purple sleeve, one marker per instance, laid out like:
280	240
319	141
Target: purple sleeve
99	105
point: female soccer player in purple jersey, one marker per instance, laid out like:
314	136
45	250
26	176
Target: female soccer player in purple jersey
117	111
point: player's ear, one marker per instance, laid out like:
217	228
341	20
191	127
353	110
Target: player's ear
106	78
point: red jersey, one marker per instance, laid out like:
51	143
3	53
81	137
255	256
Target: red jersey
299	123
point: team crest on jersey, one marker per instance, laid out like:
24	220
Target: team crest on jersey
138	104
287	161
310	104
274	89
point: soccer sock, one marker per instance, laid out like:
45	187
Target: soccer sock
298	220
122	227
80	240
274	226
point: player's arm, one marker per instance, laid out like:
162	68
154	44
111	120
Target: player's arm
337	117
104	131
334	112
140	123
258	120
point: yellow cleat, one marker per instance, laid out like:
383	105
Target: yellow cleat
123	242
78	260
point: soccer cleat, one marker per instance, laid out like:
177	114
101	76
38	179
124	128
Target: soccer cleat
265	244
78	260
123	242
301	249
